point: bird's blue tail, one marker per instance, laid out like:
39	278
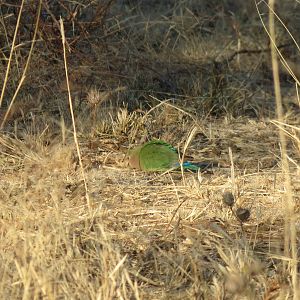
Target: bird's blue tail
195	166
190	166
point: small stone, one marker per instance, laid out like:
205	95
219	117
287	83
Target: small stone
228	199
243	214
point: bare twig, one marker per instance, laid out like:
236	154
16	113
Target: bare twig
72	115
11	53
23	77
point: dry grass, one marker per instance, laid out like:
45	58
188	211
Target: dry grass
159	72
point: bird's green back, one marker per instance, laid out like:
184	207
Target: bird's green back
157	155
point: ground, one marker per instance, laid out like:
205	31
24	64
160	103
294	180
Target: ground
78	223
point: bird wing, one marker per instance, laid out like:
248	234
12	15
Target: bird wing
158	156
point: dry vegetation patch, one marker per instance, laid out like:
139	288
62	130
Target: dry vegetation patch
173	70
158	235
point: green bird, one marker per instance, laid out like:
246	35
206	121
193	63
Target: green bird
157	155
